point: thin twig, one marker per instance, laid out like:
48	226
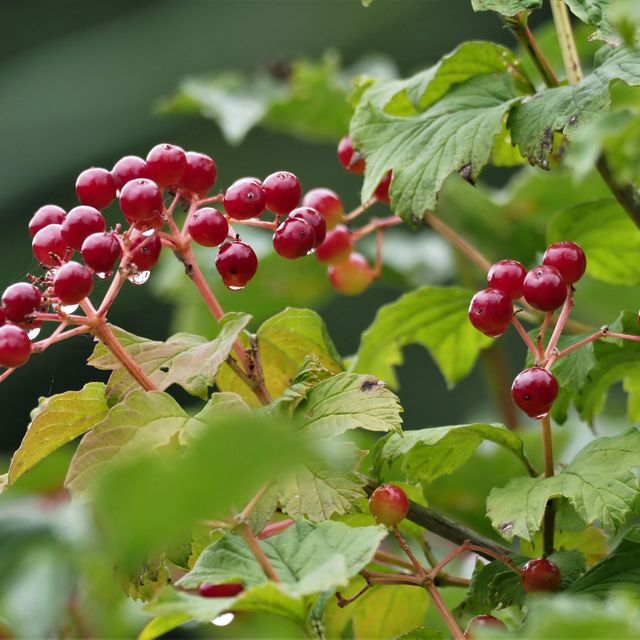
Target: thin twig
258	552
360	210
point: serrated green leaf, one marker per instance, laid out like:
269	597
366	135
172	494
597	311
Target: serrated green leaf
434	317
591	542
594	13
506	7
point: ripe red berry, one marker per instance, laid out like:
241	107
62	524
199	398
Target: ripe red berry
282	192
534	390
337	246
382	190
490	623
224	590
200	173
507	276
44	216
141	200
3	316
49	246
389	505
544	288
314	219
541	575
96	188
72	283
15	346
245	199
101	251
208	227
328	203
352	276
166	164
491	312
128	168
236	263
568	258
146	256
20	300
294	238
80	223
350	159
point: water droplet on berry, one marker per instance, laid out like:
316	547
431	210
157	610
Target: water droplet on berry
234	288
103	275
148	232
139	277
33	333
68	308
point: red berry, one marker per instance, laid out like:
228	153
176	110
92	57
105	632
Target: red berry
236	263
534	391
101	251
328	203
224	590
20	300
382	190
568	258
166	164
541	575
337	246
389	505
282	192
484	622
44	216
544	288
96	188
141	200
314	219
15	346
208	227
352	276
491	312
245	199
146	256
3	316
128	168
200	173
49	246
294	238
507	276
80	223
350	159
72	283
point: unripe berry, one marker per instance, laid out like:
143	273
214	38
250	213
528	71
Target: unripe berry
389	505
15	346
382	190
200	173
507	276
208	227
128	168
328	203
491	312
146	256
541	575
245	199
236	263
544	288
20	300
101	251
72	283
282	192
483	622
351	277
44	216
568	258
337	246
80	223
96	188
224	590
49	247
349	158
294	238
315	220
141	200
534	390
166	164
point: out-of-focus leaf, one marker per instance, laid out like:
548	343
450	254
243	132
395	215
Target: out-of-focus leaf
506	7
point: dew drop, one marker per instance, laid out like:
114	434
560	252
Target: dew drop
33	333
148	232
223	620
68	308
234	288
140	277
103	275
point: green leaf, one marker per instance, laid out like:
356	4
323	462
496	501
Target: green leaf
308	558
593	12
426	454
434	317
58	420
506	7
163	624
187	360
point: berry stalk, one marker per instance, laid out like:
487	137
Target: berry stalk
548	528
258	552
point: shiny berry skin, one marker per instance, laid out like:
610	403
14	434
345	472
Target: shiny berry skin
236	263
328	203
544	288
491	312
294	238
44	216
101	251
208	227
141	200
352	276
128	168
20	300
337	246
49	246
486	622
382	190
315	220
72	283
145	251
568	258
80	223
349	158
541	575
166	164
3	316
534	390
224	590
282	191
200	173
245	199
507	276
389	505
96	188
15	346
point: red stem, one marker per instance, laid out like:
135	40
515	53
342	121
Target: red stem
562	320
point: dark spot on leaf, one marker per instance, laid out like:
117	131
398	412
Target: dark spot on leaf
466	173
164	369
573	119
370	384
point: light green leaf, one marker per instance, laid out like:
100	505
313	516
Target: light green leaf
506	7
162	624
431	316
594	12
